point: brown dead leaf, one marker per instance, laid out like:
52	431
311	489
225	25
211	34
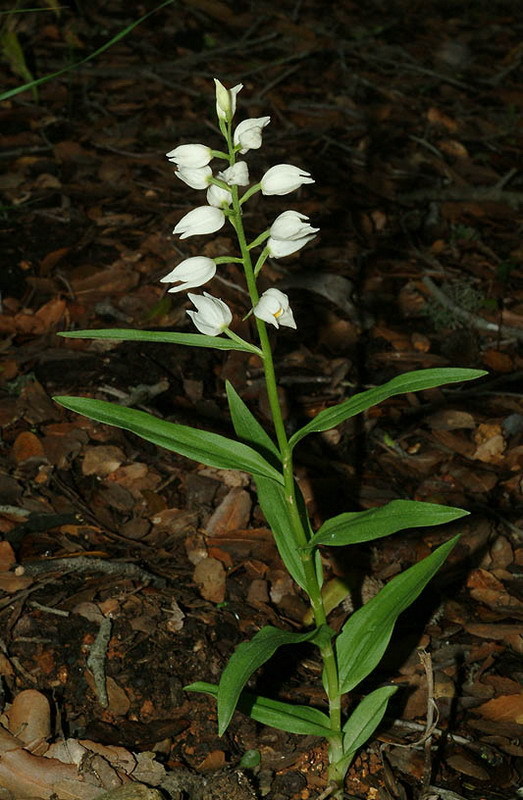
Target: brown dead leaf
51	259
209	575
497	361
490	443
11	583
29	716
7	557
450	419
467	766
505	708
487	589
102	459
232	514
118	701
27	445
437	117
51	313
453	148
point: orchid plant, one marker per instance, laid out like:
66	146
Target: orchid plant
351	654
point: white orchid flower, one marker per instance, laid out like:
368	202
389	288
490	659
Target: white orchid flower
248	133
218	197
291	225
190	156
284	178
202	220
192	272
273	307
195	177
237	175
212	315
279	248
226	100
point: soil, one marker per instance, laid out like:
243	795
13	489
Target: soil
407	115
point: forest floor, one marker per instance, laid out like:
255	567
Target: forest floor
408	116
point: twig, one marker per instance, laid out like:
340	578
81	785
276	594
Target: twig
467	316
96	660
88	564
478	194
430	724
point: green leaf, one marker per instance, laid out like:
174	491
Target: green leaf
168	337
202	446
247	426
365	718
410	382
245	660
293	719
12	52
367	632
364	526
272	500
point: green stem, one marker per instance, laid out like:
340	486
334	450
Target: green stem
330	674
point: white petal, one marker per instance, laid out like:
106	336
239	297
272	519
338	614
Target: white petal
284	178
202	220
212	315
279	248
248	133
197	178
273	307
226	99
218	197
291	225
190	156
192	272
237	175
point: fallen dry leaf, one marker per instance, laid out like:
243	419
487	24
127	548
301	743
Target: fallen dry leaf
209	575
505	708
27	445
490	444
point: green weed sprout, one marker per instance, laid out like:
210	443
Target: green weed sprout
352	654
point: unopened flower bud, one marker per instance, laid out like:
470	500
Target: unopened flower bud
192	272
284	178
190	156
202	220
226	100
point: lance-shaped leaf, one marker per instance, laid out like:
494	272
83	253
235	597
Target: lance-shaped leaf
362	723
365	718
293	719
245	660
364	526
202	446
410	382
366	634
247	426
273	502
167	337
